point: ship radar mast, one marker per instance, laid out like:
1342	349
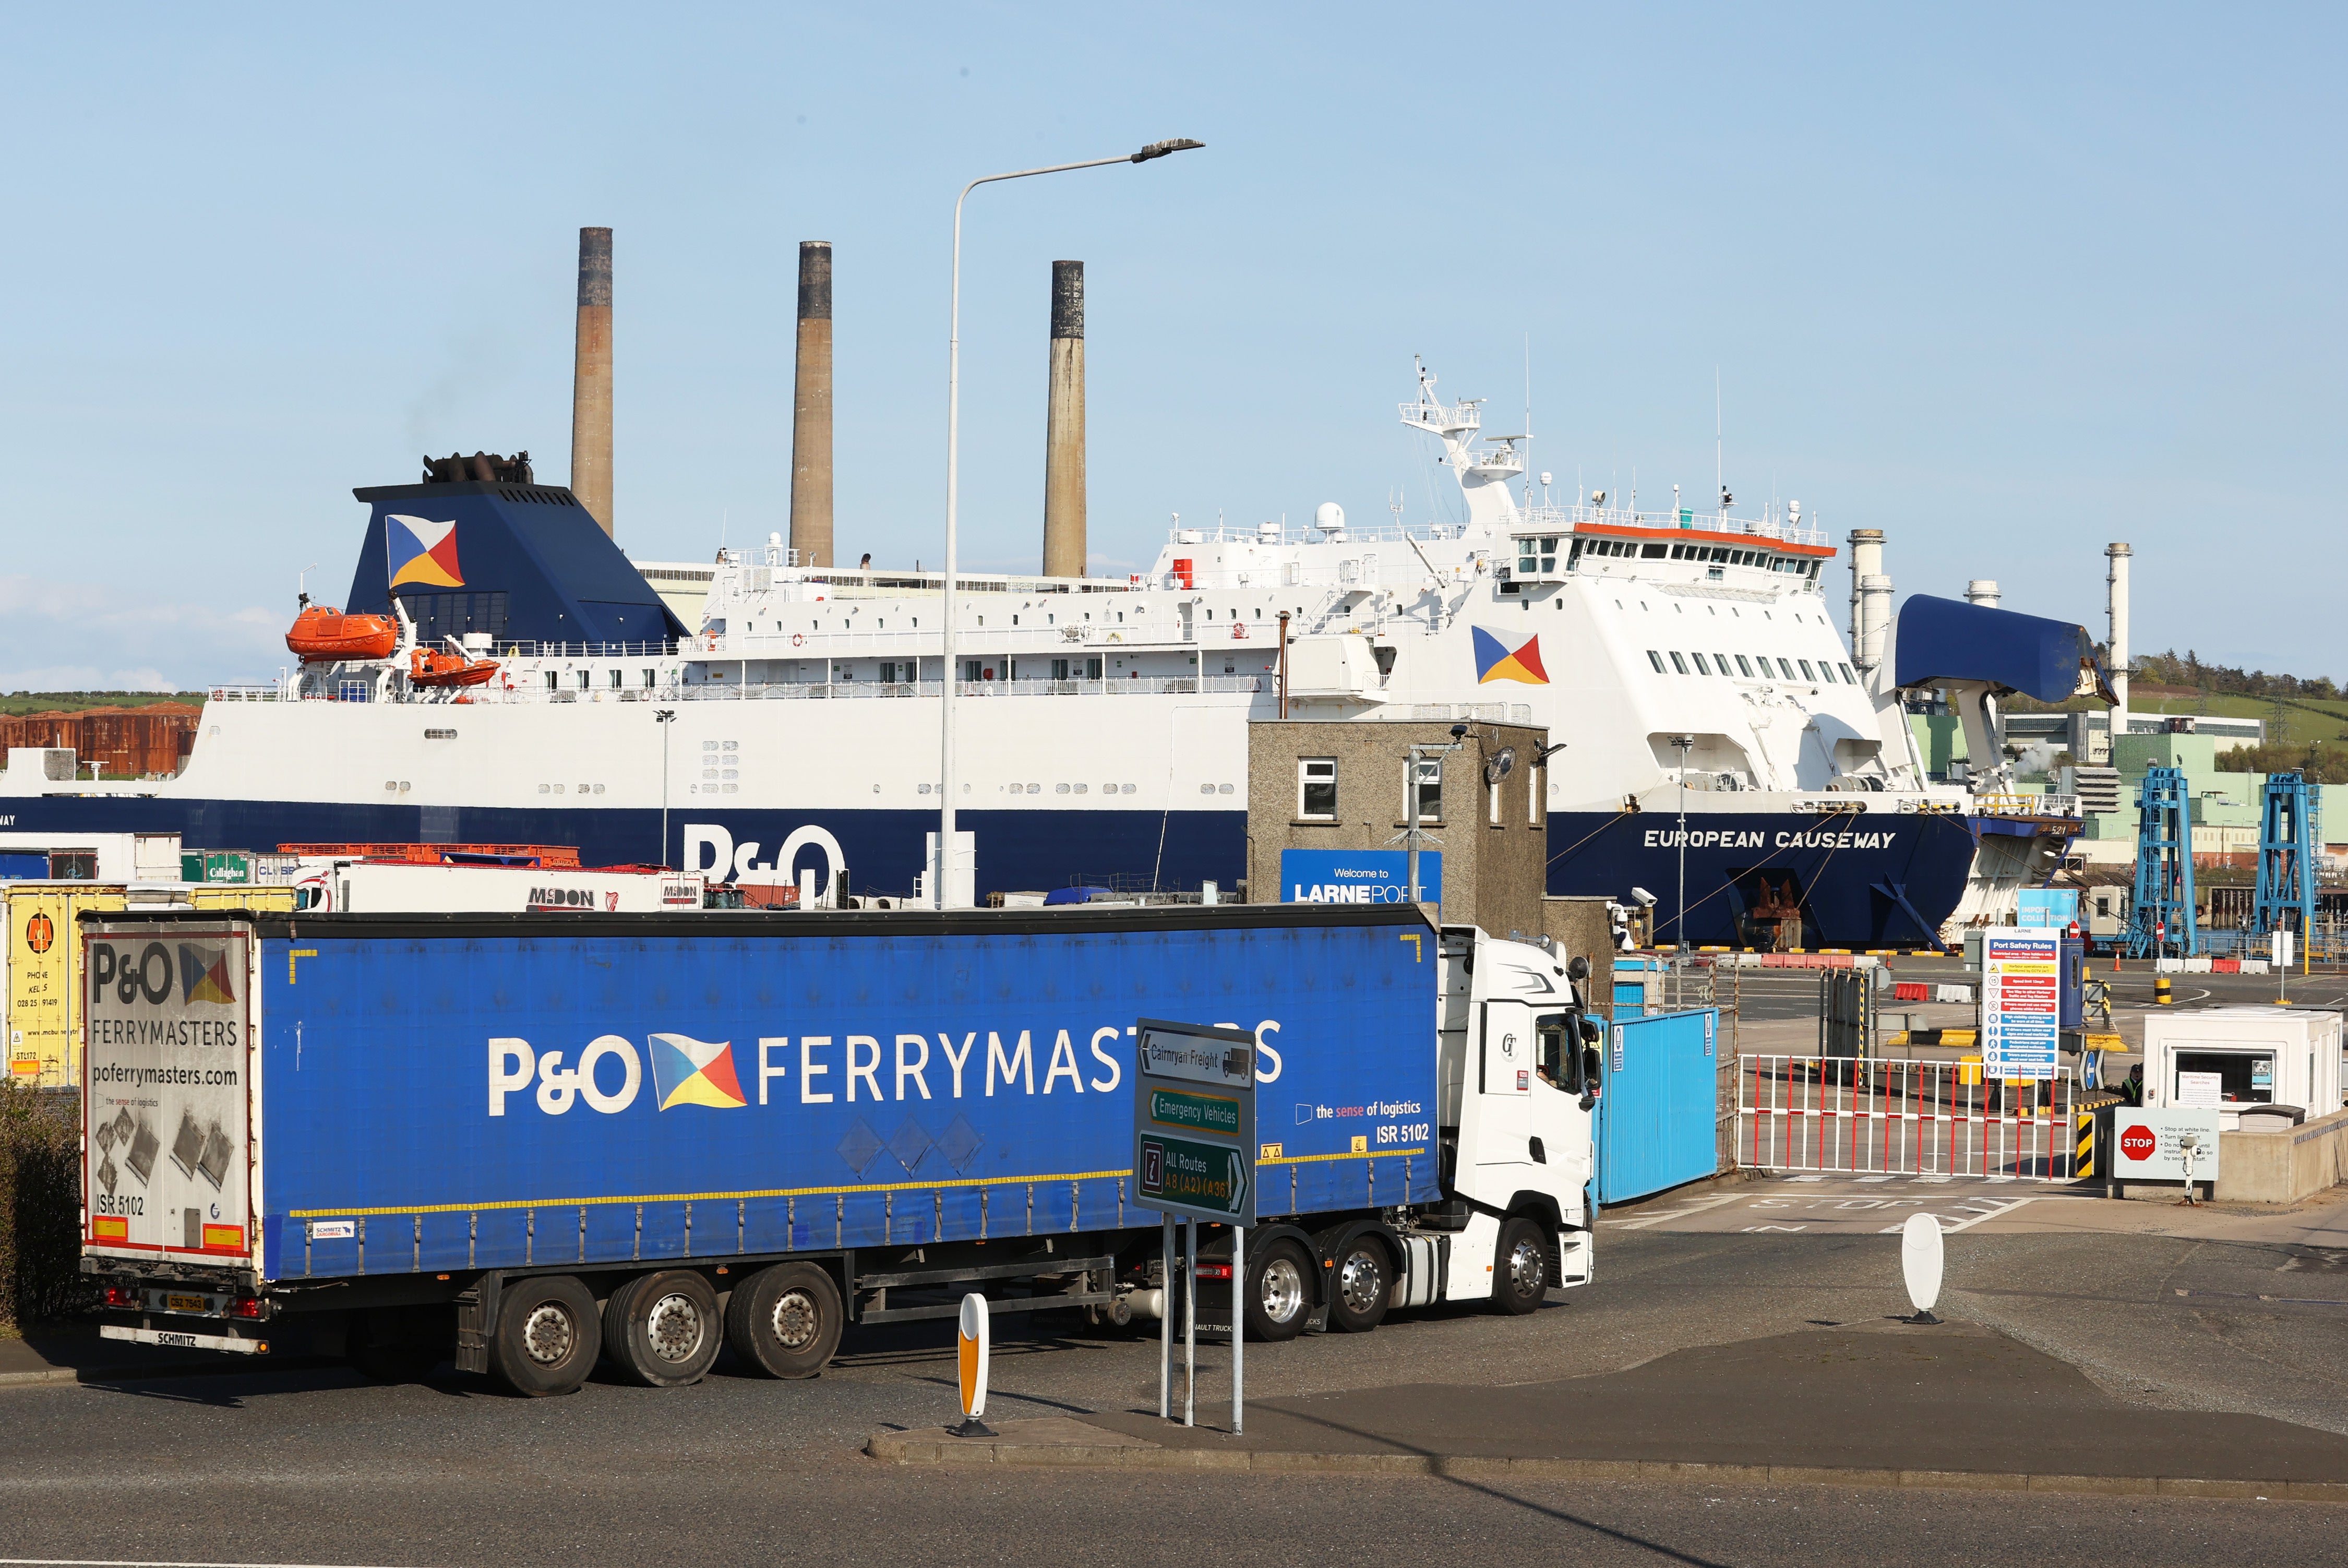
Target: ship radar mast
1485	474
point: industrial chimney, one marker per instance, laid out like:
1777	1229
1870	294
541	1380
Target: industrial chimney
2117	652
812	410
1064	439
591	380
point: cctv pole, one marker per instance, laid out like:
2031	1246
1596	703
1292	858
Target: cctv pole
1679	920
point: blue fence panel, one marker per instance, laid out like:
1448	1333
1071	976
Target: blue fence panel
1655	1116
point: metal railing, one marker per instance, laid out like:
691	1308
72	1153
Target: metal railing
1145	686
1565	519
1906	1118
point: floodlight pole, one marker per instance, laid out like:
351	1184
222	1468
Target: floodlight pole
946	772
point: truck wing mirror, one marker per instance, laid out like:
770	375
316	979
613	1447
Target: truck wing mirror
1577	967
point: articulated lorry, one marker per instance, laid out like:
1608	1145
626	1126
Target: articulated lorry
533	1141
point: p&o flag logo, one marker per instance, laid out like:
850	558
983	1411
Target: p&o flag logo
422	552
1495	661
204	974
687	1071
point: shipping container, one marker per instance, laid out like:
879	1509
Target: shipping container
514	1137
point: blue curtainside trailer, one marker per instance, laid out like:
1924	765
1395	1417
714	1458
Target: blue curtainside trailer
532	1140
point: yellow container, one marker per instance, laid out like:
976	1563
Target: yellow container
44	966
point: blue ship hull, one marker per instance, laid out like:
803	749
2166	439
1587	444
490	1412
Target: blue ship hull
1875	879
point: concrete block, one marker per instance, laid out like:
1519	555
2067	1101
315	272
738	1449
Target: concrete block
2284	1167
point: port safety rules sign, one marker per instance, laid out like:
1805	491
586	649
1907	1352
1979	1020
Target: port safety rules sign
2021	1001
1194	1122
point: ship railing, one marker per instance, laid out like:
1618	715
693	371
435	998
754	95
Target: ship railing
847	691
530	648
1301	533
1024	641
248	691
2026	805
1565	519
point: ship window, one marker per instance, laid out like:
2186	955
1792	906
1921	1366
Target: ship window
1059	669
553	680
1722	660
648	680
1092	669
616	678
1678	663
1806	674
1743	668
1787	667
1701	667
1847	678
1655	659
1317	789
1651	553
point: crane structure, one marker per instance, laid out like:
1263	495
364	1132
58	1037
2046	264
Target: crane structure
2288	836
2160	919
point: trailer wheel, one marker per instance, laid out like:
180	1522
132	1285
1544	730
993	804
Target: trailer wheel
785	1321
1360	1286
662	1330
1279	1291
1519	1269
548	1336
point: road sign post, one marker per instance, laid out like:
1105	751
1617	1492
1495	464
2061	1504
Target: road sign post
1194	1158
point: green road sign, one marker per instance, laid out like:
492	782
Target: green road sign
1183	1176
1178	1108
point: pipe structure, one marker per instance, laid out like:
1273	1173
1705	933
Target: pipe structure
591	380
2115	580
1870	598
1984	590
812	410
1064	439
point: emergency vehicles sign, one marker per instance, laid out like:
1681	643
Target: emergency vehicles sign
1194	1121
165	1100
2021	977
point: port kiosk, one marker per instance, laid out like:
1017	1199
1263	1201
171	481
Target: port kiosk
2234	1058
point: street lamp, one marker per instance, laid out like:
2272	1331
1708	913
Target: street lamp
664	717
1679	920
953	477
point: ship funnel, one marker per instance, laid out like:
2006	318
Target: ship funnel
812	410
591	380
1870	598
1984	590
1064	436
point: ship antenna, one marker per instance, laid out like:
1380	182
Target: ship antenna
1528	419
301	584
1719	470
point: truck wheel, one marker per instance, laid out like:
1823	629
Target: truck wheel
1279	1292
785	1321
1519	1269
1360	1286
662	1330
546	1337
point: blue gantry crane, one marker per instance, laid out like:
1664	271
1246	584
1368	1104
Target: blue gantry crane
2161	921
2289	832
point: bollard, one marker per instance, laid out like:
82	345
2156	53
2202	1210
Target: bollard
2160	996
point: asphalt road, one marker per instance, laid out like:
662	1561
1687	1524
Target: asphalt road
291	1466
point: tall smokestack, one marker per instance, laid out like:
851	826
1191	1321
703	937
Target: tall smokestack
2117	652
591	380
1984	590
1870	598
812	410
1064	439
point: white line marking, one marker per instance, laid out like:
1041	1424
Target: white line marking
1698	1207
154	1562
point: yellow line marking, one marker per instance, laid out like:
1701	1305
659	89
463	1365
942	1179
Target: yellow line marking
777	1191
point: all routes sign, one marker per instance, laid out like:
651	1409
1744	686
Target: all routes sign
1194	1121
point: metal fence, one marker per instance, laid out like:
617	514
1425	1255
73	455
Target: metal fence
1903	1117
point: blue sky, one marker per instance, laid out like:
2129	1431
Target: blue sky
2005	283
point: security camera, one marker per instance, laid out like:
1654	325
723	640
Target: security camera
1458	732
1646	899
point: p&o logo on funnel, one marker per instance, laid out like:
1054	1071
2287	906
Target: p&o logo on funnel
687	1071
422	552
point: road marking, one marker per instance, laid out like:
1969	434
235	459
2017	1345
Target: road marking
1948	1229
1755	1230
153	1562
1698	1207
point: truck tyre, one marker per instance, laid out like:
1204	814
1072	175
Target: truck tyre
548	1336
1519	1268
1279	1291
662	1330
785	1321
1361	1285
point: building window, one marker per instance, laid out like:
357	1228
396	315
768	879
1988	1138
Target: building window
1492	806
1317	789
1533	797
1656	659
1429	785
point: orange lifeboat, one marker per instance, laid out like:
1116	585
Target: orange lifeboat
431	668
323	635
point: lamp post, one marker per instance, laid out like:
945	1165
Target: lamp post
664	717
946	782
1679	920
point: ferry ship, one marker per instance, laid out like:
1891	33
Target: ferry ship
524	683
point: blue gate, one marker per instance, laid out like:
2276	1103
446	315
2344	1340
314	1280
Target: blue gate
1656	1115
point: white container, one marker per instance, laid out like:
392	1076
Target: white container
2229	1058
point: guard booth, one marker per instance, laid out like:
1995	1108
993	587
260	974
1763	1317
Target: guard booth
1658	1103
2235	1058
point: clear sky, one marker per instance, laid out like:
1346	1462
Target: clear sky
2006	283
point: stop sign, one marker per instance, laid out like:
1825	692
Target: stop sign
2138	1142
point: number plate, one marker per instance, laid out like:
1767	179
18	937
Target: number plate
187	1304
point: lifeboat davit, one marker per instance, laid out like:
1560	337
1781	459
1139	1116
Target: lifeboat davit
432	668
323	635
